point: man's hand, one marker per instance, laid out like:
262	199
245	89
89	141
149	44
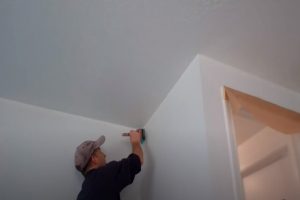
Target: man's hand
135	136
135	139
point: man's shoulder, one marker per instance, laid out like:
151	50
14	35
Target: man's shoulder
103	170
108	167
111	164
132	161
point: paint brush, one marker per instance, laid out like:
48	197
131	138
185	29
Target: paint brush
142	131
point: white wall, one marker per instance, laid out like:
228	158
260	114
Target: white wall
176	144
222	162
190	153
37	150
187	151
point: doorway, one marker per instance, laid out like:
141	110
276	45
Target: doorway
267	153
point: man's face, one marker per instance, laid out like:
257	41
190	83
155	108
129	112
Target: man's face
98	157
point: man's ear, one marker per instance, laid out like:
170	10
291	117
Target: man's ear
93	157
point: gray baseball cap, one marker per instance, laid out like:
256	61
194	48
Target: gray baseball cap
85	150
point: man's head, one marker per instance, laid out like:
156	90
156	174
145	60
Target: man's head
88	155
96	160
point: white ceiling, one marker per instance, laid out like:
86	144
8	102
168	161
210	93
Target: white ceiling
115	60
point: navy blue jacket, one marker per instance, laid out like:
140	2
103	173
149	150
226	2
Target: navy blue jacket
106	183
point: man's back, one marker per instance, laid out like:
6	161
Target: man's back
108	181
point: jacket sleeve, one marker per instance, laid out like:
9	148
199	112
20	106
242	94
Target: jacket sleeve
126	170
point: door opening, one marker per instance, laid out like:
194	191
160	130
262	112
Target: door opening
265	152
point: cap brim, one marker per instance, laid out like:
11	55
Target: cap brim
100	141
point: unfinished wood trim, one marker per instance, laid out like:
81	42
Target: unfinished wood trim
277	117
265	161
237	182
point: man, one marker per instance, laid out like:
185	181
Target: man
106	181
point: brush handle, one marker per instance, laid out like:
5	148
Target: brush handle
142	136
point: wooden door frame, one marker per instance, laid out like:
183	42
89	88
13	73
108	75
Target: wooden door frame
236	176
239	192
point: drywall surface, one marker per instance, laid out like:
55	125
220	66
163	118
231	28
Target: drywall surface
176	139
115	60
213	76
37	150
